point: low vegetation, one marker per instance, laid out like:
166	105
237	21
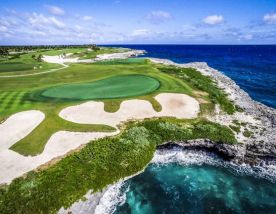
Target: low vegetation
247	133
203	83
100	163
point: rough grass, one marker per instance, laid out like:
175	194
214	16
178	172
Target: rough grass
24	64
100	163
203	83
112	87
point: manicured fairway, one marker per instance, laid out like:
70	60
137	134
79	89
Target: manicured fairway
113	87
15	66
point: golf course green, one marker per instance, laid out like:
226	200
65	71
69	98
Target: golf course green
113	87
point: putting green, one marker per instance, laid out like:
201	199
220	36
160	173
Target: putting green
113	87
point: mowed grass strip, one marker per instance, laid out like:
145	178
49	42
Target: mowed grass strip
113	87
35	142
13	101
15	66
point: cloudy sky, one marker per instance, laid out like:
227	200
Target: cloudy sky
138	21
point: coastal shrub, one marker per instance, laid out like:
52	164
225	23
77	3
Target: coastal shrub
237	128
203	83
247	133
100	163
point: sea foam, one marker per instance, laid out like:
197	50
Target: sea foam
115	194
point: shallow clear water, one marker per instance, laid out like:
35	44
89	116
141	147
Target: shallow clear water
174	188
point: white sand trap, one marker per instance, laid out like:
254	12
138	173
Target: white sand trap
18	126
14	165
92	112
13	129
59	59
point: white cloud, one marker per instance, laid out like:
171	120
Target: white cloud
140	32
39	20
3	29
213	19
55	10
270	18
87	18
78	27
246	37
157	17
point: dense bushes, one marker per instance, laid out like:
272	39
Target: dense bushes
100	163
203	83
173	129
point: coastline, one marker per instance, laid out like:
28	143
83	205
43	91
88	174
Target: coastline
256	157
261	148
107	200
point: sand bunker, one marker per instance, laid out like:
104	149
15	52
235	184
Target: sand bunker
59	59
18	126
14	165
173	105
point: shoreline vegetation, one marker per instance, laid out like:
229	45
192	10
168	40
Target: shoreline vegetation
107	160
102	162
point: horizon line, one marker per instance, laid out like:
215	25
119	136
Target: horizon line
103	44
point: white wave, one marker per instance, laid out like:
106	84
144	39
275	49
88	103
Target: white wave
115	194
184	157
111	198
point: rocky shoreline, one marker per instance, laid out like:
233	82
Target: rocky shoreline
259	150
258	119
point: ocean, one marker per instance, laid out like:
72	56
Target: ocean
252	67
179	181
175	187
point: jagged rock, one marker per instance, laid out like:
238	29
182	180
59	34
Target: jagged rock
261	147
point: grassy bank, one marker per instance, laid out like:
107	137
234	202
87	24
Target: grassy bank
20	93
203	83
100	163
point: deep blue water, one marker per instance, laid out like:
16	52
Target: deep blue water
252	67
173	188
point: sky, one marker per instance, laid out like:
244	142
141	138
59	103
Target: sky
137	22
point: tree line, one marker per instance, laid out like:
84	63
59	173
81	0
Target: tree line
5	50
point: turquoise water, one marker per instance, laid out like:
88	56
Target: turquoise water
174	188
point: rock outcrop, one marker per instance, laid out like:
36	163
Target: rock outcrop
258	118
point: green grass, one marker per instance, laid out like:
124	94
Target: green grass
103	50
122	61
17	94
100	163
24	64
112	87
22	93
35	142
15	66
236	129
247	133
203	83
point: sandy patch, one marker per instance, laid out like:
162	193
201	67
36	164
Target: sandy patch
13	129
173	105
18	126
14	165
60	59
